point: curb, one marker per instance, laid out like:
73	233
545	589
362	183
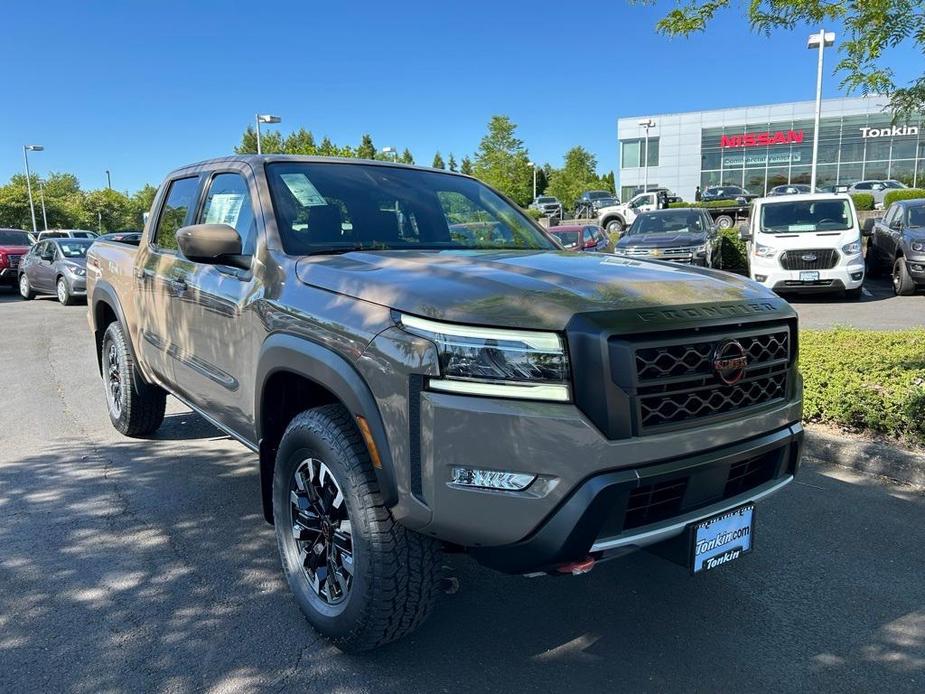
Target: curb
866	456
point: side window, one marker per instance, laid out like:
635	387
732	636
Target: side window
862	186
229	202
888	218
181	197
588	235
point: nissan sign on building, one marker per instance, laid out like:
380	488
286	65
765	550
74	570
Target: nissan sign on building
760	147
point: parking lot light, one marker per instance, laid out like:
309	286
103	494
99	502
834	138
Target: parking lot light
820	42
391	153
25	153
646	123
265	118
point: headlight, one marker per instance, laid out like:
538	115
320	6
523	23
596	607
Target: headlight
76	271
918	246
496	362
701	249
852	248
765	251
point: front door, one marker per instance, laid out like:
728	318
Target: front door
214	333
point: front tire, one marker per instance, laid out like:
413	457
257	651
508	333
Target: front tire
133	411
724	221
25	289
903	284
360	578
64	292
615	226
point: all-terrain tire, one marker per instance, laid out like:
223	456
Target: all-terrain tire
395	571
903	284
135	408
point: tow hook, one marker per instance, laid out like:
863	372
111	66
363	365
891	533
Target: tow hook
576	568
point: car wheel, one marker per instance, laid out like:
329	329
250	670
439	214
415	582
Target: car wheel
615	226
360	578
136	408
64	292
25	289
724	221
903	285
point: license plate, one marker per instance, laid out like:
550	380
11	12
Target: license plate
809	276
721	539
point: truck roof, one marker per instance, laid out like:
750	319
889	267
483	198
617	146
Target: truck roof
256	160
803	196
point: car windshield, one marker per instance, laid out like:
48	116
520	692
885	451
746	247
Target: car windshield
917	216
569	239
598	194
76	248
335	208
84	235
806	215
53	235
893	184
545	200
676	221
11	237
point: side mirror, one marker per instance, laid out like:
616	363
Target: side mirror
744	232
897	224
868	227
217	244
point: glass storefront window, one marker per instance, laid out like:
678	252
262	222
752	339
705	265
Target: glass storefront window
850	173
852	144
709	178
903	148
754	180
878	149
710	159
653	151
904	171
732	177
629	158
826	175
876	170
800	174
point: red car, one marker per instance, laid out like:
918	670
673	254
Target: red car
14	244
582	237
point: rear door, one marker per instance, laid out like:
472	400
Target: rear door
216	337
157	272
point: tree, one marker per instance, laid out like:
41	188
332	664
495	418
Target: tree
542	182
366	150
870	27
610	181
451	164
438	161
466	166
327	148
406	157
502	161
300	142
576	176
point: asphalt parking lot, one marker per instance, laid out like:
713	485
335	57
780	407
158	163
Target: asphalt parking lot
878	309
130	565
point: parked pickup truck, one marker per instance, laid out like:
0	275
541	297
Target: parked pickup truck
419	367
897	245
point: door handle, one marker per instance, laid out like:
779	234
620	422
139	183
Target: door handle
143	273
178	285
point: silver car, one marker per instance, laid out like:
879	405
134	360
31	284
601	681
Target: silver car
878	189
55	266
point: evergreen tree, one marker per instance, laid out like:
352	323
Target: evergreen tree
438	162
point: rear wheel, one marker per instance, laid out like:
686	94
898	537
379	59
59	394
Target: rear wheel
724	221
25	289
136	408
615	226
903	284
360	578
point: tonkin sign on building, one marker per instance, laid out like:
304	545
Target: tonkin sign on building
894	131
781	137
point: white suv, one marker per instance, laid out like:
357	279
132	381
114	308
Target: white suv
805	243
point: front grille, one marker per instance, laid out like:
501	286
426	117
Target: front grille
814	259
676	384
684	254
14	261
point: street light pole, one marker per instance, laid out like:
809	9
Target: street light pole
819	41
647	123
264	118
25	154
108	180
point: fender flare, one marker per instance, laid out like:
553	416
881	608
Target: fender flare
321	365
611	217
105	293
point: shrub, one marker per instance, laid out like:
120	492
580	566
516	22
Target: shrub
902	194
730	251
863	201
533	214
865	380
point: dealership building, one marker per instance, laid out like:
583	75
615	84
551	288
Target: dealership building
759	147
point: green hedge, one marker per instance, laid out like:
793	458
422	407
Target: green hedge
533	213
902	194
865	380
863	201
730	252
710	203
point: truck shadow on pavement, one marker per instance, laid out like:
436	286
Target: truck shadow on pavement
141	565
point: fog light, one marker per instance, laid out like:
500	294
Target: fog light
491	479
855	276
915	267
761	278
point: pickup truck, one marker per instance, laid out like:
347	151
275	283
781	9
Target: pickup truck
419	367
897	245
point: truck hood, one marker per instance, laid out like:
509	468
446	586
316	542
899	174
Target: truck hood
522	289
670	240
799	241
14	250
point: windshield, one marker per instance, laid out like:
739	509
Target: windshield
330	208
77	248
83	235
569	239
806	215
893	184
917	216
677	222
598	194
11	237
545	200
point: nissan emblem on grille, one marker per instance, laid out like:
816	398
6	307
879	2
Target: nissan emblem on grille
729	361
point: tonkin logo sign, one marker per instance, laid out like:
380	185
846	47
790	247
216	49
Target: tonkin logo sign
895	131
781	137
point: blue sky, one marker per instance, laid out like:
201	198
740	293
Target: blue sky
141	88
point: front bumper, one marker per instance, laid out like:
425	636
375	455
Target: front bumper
9	274
916	269
619	512
848	274
78	285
